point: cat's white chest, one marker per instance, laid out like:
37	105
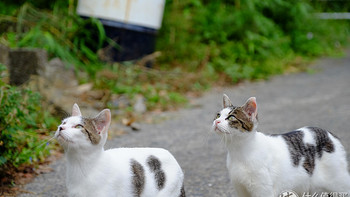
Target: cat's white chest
86	182
256	164
246	171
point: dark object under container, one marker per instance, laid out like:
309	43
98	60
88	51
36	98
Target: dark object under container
132	25
133	42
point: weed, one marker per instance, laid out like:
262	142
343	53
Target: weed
24	125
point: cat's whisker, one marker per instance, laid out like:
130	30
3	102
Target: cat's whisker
206	138
68	146
226	139
46	142
223	140
81	168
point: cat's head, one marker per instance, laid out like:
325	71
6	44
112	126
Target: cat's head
78	132
236	120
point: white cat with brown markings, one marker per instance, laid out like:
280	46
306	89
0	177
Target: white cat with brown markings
309	160
121	172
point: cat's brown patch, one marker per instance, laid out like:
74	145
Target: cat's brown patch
308	153
91	131
242	121
138	177
156	167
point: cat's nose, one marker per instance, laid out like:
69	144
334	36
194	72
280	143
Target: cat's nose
60	128
217	122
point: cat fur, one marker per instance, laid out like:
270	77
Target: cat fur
307	161
119	172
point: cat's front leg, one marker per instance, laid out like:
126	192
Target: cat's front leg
251	191
240	191
262	190
261	186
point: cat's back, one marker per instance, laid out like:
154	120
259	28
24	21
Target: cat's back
140	154
145	159
311	144
317	155
317	139
150	171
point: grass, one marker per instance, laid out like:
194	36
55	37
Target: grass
24	126
163	90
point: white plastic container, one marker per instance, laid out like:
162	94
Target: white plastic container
132	24
145	13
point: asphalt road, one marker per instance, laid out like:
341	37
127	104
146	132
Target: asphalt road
285	103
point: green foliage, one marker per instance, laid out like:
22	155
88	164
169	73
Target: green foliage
331	6
245	39
61	33
24	126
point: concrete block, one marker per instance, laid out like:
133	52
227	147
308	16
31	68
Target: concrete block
26	62
4	53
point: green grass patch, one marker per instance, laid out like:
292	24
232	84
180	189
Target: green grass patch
25	127
162	89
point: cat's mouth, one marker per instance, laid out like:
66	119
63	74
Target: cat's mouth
219	130
61	138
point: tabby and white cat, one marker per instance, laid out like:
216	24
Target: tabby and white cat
121	172
307	160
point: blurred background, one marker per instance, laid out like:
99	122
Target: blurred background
53	54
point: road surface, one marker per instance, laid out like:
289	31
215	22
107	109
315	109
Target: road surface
320	98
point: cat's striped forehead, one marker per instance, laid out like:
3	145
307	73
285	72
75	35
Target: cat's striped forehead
233	109
229	110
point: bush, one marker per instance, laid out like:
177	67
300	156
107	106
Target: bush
60	32
245	39
25	126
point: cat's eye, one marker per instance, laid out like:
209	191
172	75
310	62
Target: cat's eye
217	116
79	126
231	118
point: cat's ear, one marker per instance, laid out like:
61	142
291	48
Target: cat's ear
226	101
102	121
251	108
76	110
